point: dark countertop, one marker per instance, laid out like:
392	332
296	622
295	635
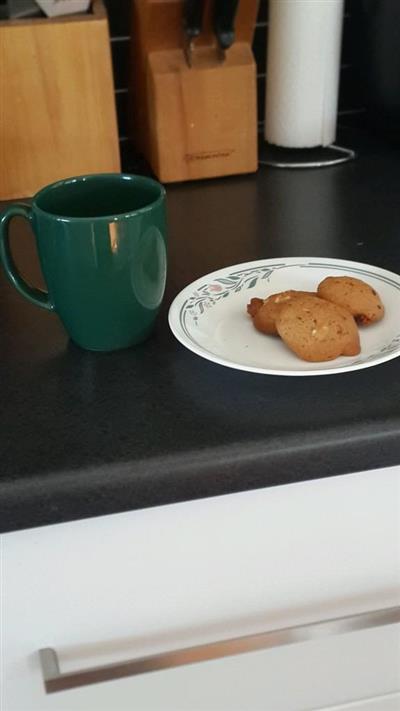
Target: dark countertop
87	434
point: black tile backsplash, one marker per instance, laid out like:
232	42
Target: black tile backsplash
350	96
260	99
120	59
263	11
347	40
121	101
118	17
260	47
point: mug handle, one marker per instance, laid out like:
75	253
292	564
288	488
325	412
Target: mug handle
35	296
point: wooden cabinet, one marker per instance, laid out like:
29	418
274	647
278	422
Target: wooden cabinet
108	589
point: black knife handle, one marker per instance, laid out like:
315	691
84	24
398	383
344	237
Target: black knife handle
224	22
193	17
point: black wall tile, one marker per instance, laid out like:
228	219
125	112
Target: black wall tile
347	41
352	119
263	11
120	57
260	48
350	93
118	16
261	99
122	105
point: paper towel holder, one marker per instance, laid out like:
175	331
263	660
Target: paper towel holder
315	157
302	85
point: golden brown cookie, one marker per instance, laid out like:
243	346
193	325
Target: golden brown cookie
317	330
264	312
354	295
253	306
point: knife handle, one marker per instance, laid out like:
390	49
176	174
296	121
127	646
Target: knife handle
224	22
193	17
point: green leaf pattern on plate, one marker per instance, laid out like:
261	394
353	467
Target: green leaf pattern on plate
391	347
209	294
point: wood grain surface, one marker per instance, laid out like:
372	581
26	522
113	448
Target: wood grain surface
57	109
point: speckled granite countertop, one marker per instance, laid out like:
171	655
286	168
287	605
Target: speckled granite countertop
85	434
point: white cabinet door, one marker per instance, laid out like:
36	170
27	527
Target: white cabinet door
388	702
107	589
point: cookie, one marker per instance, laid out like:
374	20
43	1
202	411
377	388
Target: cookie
265	311
317	330
354	295
253	306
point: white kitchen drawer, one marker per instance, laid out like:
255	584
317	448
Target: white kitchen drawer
111	588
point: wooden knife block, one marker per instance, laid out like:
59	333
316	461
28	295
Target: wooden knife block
57	107
198	121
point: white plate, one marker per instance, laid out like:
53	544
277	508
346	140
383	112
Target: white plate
209	316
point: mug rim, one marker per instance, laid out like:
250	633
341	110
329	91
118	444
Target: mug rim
90	176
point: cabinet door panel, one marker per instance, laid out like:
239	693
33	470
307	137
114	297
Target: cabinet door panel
111	588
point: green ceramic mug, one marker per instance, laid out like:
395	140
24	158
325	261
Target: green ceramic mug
101	241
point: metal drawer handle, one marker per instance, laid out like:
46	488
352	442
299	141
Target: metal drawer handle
55	680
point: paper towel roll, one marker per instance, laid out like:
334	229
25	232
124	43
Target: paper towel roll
303	64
